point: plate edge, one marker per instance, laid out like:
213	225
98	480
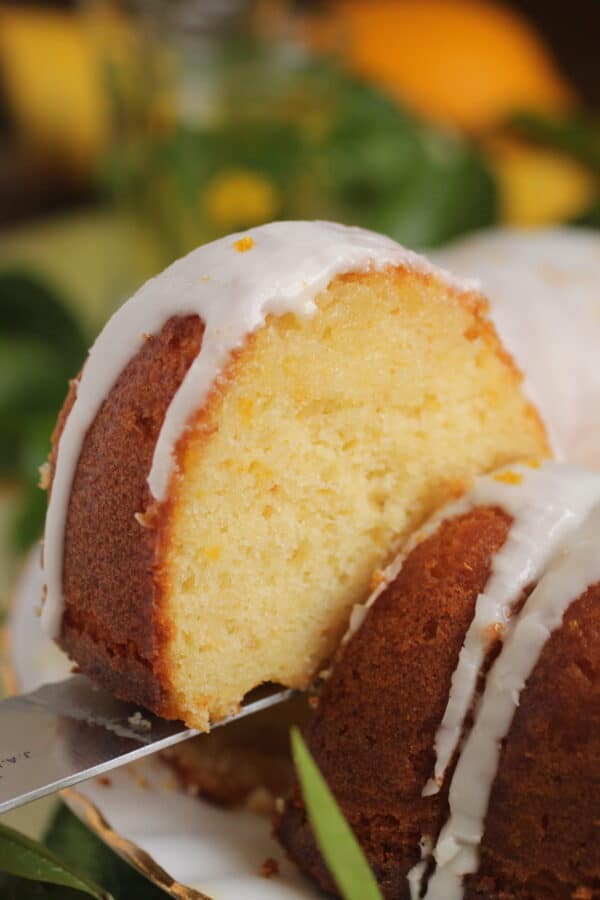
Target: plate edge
79	805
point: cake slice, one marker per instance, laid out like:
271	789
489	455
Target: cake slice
253	433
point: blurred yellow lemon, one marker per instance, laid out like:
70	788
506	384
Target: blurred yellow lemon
237	198
538	186
461	62
54	74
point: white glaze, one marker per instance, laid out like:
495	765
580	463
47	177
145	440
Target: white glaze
573	570
417	873
233	292
543	289
552	541
546	507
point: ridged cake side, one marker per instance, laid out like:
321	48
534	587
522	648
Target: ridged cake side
513	812
113	624
383	703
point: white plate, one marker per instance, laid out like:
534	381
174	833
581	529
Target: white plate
187	846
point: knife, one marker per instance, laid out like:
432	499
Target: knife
71	730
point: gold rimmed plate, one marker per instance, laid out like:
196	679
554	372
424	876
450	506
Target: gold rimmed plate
186	846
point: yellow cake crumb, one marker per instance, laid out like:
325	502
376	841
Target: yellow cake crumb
377	578
213	552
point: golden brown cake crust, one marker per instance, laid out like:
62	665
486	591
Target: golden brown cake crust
380	710
543	827
112	621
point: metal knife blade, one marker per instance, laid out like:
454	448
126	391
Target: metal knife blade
71	730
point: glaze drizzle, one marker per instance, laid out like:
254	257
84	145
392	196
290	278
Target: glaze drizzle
553	543
232	284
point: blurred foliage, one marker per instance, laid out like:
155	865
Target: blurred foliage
74	844
387	171
576	137
41	347
590	218
93	258
297	138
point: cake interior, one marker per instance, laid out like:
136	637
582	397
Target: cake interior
327	442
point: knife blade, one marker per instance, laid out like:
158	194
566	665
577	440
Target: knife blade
71	730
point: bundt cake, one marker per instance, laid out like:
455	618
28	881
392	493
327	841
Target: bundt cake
460	726
253	433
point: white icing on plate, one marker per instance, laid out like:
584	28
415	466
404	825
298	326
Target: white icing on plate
232	284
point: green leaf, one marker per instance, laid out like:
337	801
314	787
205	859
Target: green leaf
590	218
28	522
340	849
13	888
73	842
21	856
577	135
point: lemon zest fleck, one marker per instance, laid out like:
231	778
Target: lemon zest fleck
508	477
244	244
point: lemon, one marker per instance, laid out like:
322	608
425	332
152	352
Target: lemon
466	63
236	198
538	186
